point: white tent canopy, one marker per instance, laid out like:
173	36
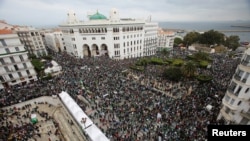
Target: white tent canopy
82	119
209	107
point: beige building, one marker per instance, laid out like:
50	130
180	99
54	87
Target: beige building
236	102
16	67
165	39
32	40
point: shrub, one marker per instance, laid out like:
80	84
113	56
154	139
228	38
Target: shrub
178	62
156	61
137	68
204	78
203	64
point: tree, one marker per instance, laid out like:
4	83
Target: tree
232	42
201	56
191	37
173	73
177	41
165	52
189	69
211	37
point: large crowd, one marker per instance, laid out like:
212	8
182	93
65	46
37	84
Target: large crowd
130	105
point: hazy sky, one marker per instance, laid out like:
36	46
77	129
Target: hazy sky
54	12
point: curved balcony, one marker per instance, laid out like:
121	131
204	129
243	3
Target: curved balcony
233	108
226	116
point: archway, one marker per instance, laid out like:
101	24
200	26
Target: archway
86	51
104	50
94	50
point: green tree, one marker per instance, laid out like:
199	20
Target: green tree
189	69
211	37
232	42
38	65
173	73
177	41
165	52
191	37
201	56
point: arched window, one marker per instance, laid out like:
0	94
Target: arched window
246	90
239	103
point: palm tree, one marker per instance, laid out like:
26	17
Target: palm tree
189	69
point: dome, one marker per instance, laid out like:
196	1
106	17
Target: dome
97	16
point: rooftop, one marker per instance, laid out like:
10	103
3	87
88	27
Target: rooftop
97	16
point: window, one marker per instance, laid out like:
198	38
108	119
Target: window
7	50
239	103
232	101
2	61
28	72
93	38
244	121
84	38
103	38
3	42
1	79
25	65
11	76
21	57
238	91
12	59
227	110
19	74
73	39
246	90
17	48
16	67
7	69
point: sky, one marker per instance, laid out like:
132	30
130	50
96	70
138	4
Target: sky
54	12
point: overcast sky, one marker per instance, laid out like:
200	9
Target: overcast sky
54	12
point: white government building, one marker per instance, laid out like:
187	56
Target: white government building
16	67
115	37
236	102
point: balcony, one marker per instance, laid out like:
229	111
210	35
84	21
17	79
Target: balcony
230	90
226	116
231	107
244	80
237	77
245	63
245	114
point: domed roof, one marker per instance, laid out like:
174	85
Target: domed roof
97	16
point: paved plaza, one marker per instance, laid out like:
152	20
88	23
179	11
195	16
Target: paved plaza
54	121
139	106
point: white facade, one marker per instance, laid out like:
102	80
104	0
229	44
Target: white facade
115	37
236	102
54	40
54	69
15	65
32	40
166	39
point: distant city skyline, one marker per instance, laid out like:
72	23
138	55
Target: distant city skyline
54	12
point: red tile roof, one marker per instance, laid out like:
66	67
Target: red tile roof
5	31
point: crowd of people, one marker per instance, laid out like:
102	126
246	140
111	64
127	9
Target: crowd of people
132	108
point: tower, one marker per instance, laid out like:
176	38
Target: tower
72	17
114	15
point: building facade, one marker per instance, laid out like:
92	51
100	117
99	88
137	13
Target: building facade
16	67
115	37
166	39
54	40
236	102
32	40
